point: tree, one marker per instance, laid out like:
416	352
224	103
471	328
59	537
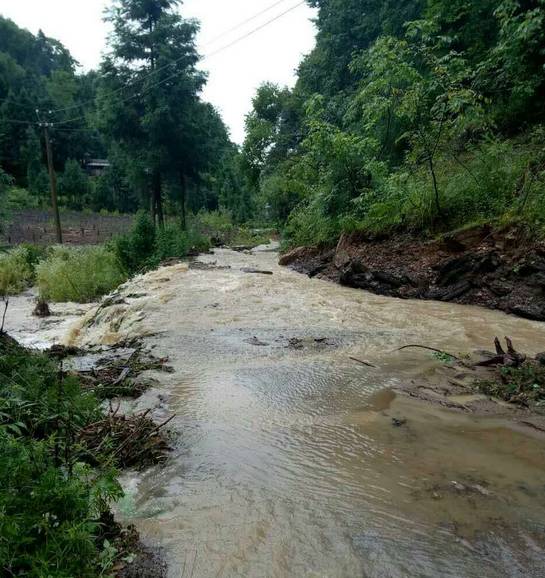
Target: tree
74	185
153	53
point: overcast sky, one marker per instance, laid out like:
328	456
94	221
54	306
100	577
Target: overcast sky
271	54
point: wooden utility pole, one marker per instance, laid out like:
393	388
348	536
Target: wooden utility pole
52	183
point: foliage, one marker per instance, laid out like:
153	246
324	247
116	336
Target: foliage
220	228
74	187
50	501
144	247
170	137
174	243
79	274
524	385
16	270
136	249
406	117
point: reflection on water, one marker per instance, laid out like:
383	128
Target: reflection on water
288	461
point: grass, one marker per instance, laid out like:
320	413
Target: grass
524	385
79	274
17	269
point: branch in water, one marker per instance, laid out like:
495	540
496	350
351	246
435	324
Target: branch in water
430	349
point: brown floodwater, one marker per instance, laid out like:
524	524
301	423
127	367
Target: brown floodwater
286	461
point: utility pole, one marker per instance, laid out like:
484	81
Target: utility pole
52	181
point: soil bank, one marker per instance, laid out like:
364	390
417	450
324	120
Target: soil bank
477	266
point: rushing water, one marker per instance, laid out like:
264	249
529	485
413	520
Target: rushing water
286	462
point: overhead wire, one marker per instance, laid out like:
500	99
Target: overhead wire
177	73
175	61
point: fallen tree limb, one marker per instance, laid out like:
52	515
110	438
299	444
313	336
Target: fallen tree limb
362	362
429	349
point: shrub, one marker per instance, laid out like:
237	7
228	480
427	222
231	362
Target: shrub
50	502
16	270
18	198
308	225
135	249
174	243
48	519
144	247
79	274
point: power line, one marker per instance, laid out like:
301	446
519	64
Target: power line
243	23
165	66
177	73
205	58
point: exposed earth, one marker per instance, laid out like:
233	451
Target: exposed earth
478	266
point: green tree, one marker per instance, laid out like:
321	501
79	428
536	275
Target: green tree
152	52
74	185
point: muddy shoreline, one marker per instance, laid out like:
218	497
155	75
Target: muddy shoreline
479	266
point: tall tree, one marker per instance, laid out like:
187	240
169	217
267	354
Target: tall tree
150	80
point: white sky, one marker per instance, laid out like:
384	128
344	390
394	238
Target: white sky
272	54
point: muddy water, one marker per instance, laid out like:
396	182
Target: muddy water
286	461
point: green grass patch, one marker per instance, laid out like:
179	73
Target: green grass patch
524	385
80	274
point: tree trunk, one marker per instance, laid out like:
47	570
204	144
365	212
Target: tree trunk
183	187
152	207
435	185
158	198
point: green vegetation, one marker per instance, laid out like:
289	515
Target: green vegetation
142	110
16	273
145	246
80	274
221	228
51	500
524	385
417	116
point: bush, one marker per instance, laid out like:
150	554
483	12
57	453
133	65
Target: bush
49	519
50	502
79	274
16	270
308	225
135	249
174	243
144	247
74	186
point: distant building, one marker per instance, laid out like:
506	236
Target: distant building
96	167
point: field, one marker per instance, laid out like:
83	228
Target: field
36	226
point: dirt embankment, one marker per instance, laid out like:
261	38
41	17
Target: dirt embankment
478	266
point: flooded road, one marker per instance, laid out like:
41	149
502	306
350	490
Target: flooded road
287	461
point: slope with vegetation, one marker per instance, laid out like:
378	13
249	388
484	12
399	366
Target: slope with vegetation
414	116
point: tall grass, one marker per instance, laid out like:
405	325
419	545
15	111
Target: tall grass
16	271
79	274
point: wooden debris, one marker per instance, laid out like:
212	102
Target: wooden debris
117	377
510	359
126	441
440	351
362	362
256	271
